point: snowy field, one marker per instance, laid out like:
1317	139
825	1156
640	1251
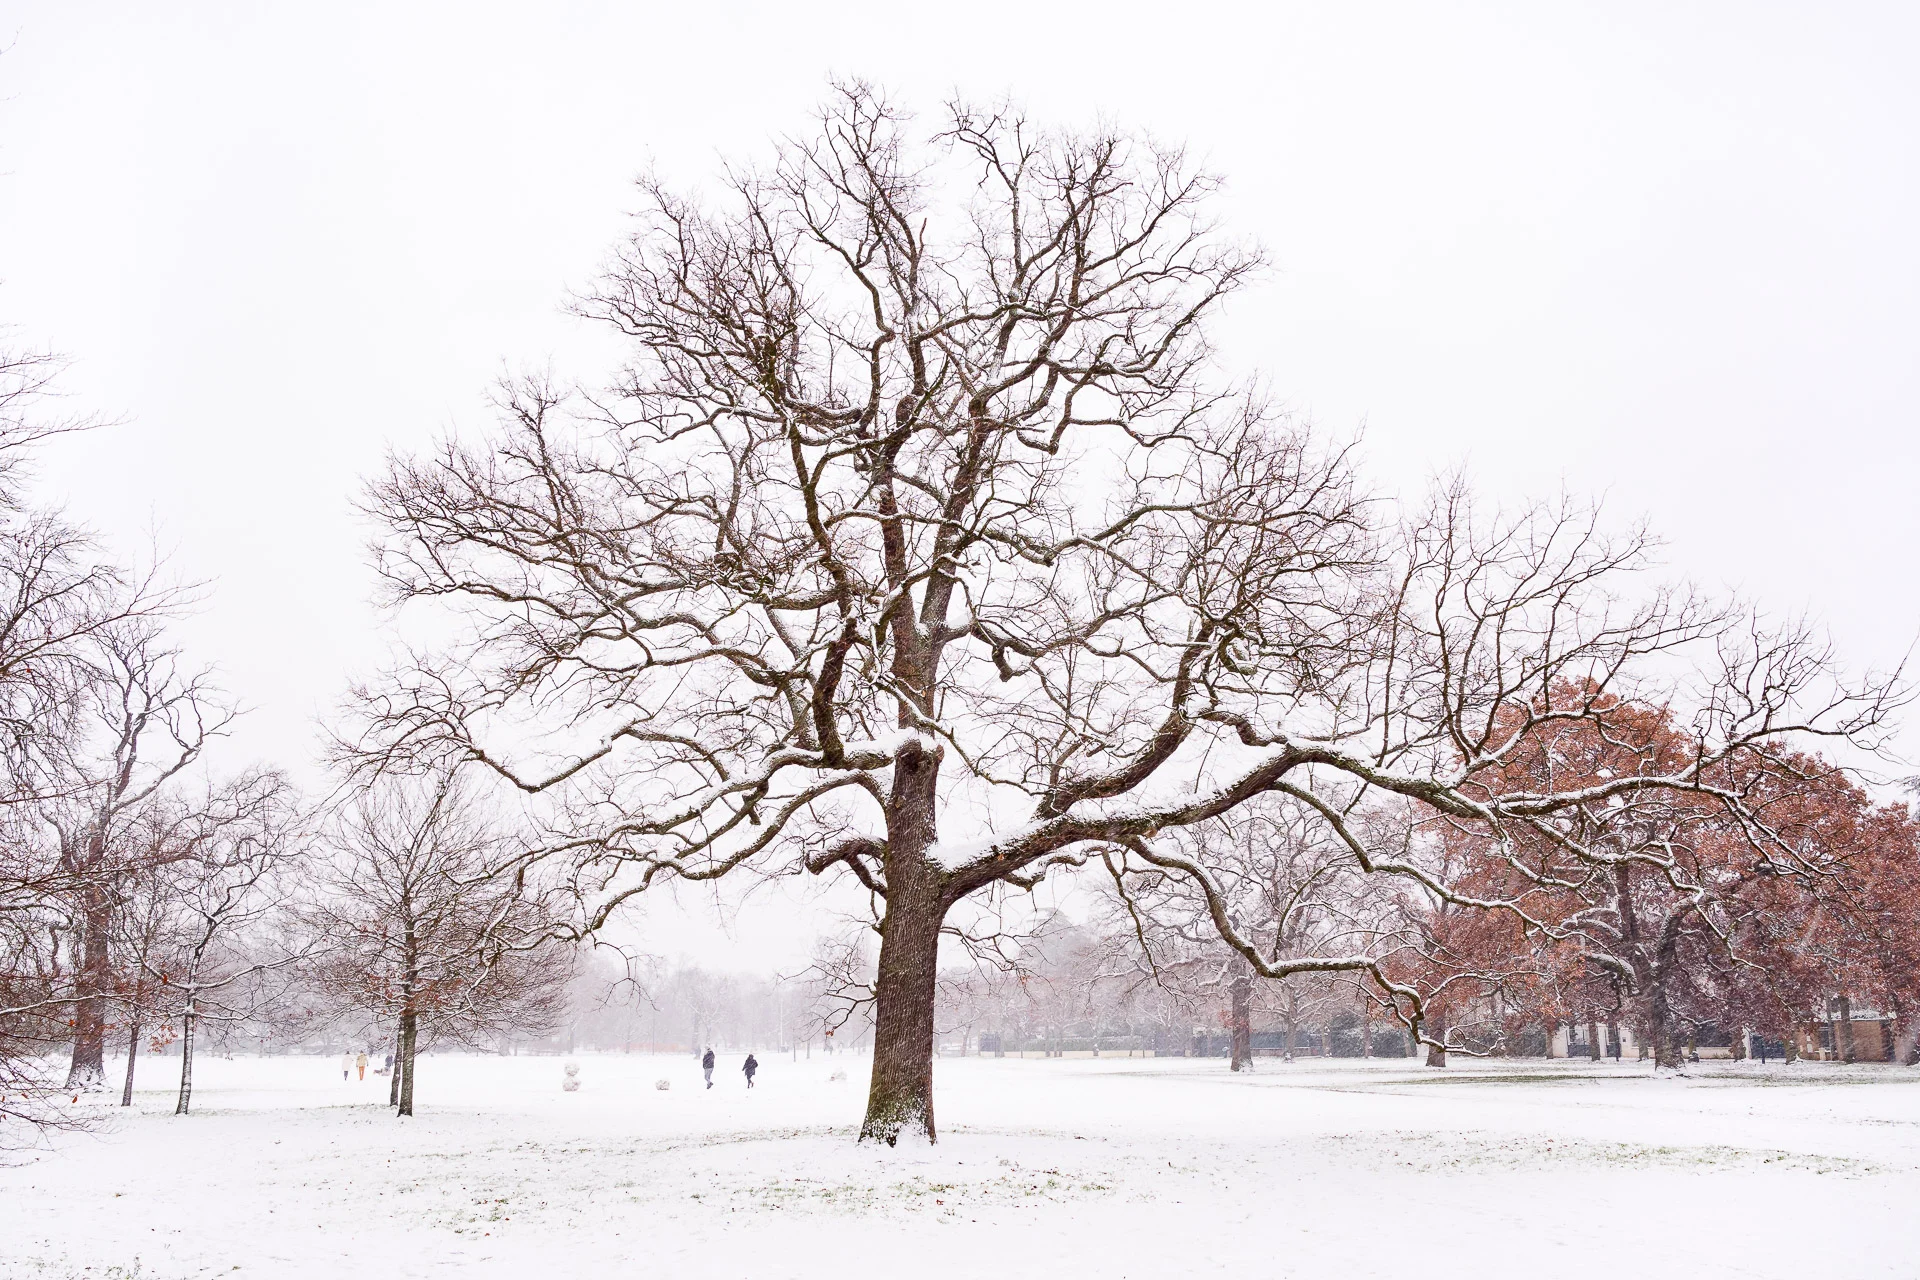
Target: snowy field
1079	1168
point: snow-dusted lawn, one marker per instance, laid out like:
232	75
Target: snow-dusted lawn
1074	1168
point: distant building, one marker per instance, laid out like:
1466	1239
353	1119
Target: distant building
1846	1034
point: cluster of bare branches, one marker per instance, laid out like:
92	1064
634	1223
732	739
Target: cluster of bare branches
1090	988
426	938
1283	884
919	541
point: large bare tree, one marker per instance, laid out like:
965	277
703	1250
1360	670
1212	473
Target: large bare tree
919	541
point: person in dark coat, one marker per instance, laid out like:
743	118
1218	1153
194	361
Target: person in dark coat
750	1066
706	1065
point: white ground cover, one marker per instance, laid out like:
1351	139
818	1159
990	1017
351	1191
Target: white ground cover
1077	1168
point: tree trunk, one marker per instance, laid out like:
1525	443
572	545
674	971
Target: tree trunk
1240	1018
1613	1037
93	979
1437	1053
1593	1039
393	1071
409	1018
901	1095
1845	1045
133	1052
1666	1050
409	1041
187	1021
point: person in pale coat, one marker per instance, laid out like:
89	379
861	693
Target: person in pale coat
346	1067
361	1063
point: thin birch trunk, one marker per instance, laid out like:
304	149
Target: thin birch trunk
188	1021
133	1052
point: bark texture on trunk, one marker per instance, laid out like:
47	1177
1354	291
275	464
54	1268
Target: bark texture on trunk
409	1041
1593	1039
1437	1053
393	1071
1666	1049
1240	1019
900	1097
401	1090
93	980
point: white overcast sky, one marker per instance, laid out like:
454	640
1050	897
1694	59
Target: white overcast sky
1662	253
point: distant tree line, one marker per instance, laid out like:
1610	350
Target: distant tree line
1775	898
150	897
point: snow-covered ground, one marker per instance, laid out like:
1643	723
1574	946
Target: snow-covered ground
1078	1168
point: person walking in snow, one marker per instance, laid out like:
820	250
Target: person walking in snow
361	1062
346	1066
750	1066
706	1065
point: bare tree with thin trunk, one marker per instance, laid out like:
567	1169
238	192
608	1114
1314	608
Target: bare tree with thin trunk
229	886
426	940
143	929
919	541
1288	886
